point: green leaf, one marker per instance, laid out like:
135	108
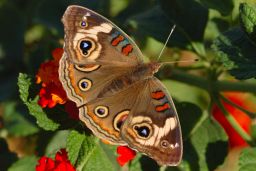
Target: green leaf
207	141
237	53
15	123
135	163
247	159
87	153
74	144
179	91
98	160
224	7
24	164
24	82
56	142
43	121
248	20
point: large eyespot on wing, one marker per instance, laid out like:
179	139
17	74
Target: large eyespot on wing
153	127
90	37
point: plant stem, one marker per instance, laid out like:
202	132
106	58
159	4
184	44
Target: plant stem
213	88
236	86
251	114
233	122
203	83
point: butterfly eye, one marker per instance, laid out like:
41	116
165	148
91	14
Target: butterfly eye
143	130
101	111
85	84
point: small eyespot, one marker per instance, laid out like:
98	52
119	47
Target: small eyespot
143	130
165	144
101	111
83	24
85	84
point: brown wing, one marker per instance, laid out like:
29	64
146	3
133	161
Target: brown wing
143	116
94	55
85	83
105	116
153	127
90	37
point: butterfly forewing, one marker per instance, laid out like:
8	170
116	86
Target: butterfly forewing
90	37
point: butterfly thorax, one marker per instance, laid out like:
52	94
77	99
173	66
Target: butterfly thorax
154	67
136	74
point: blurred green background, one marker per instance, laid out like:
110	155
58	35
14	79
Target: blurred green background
31	29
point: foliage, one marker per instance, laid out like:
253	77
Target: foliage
221	34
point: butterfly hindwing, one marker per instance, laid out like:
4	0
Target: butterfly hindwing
105	115
153	127
142	116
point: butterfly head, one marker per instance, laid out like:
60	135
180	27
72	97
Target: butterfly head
154	67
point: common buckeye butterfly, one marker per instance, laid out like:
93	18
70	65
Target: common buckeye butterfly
118	97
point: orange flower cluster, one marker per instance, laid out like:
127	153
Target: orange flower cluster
61	163
51	92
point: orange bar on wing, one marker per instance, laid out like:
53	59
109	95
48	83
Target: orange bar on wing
157	95
163	107
117	40
127	49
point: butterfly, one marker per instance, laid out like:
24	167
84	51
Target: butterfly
118	97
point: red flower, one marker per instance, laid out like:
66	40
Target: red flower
61	163
50	95
51	92
48	71
235	140
125	154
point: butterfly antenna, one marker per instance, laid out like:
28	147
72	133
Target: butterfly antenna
182	61
160	54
